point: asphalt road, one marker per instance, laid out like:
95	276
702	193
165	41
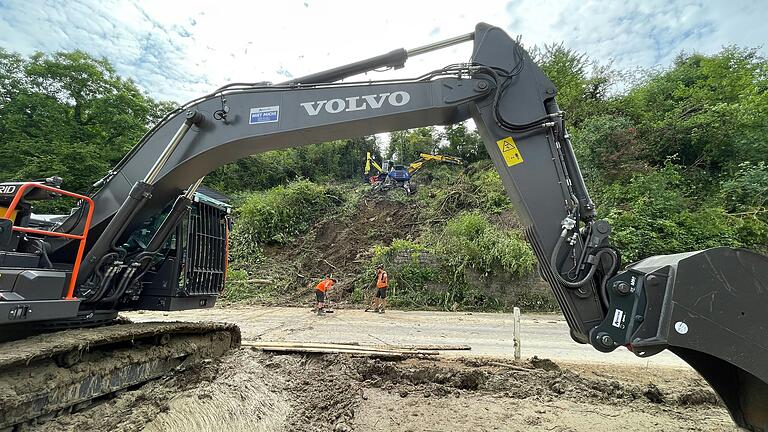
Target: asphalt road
489	334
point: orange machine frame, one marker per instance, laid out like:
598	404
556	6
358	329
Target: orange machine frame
81	237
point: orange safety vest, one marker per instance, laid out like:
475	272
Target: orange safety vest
324	285
382	281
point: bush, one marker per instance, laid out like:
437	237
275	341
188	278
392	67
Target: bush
436	272
651	215
470	239
236	290
277	215
747	189
490	191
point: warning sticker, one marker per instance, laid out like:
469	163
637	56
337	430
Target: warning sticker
509	150
268	114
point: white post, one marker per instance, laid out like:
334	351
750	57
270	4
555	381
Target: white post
516	332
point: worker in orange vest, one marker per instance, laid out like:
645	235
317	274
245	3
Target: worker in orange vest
382	283
320	291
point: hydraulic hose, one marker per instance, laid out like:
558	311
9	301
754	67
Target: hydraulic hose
592	270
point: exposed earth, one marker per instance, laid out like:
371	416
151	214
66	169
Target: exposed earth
256	391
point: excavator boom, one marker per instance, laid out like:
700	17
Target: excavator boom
369	161
426	157
705	306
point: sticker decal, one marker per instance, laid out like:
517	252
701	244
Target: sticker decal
270	114
510	152
681	327
618	318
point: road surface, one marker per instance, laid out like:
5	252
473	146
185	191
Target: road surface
489	334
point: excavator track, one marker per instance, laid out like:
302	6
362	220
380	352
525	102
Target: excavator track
46	375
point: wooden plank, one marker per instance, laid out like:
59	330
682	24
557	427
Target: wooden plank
387	347
329	351
433	347
332	348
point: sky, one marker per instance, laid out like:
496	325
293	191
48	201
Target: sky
178	50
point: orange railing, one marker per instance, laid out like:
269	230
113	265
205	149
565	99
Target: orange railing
81	237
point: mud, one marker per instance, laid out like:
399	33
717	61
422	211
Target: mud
49	374
250	390
49	345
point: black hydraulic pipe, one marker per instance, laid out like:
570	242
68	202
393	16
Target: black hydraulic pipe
179	209
139	195
587	210
394	59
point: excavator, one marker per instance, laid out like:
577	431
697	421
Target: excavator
121	249
399	176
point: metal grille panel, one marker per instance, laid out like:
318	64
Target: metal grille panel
205	261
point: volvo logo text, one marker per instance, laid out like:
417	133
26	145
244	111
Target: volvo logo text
357	103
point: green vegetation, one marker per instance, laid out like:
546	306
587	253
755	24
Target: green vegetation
67	114
677	162
470	239
279	214
331	161
447	266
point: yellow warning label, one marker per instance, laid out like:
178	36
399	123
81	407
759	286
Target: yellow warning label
509	151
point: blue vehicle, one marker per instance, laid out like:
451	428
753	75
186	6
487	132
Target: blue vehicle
391	175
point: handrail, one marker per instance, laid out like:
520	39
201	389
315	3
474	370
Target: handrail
82	237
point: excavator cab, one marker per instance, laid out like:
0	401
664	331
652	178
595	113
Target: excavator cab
193	270
399	173
187	272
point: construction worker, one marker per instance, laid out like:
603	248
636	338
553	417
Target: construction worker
382	283
320	291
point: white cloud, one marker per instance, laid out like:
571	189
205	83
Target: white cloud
180	49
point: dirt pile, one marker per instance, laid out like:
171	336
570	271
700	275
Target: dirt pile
257	391
537	378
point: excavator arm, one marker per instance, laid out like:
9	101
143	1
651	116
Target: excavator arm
706	306
369	161
426	157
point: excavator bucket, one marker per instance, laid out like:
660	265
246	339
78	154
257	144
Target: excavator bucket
709	308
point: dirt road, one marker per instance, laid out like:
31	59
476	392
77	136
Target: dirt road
489	334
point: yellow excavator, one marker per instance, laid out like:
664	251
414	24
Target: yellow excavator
392	175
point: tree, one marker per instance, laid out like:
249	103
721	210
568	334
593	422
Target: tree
707	111
582	84
464	143
67	114
405	146
335	160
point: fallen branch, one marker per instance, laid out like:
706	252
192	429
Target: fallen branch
429	347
